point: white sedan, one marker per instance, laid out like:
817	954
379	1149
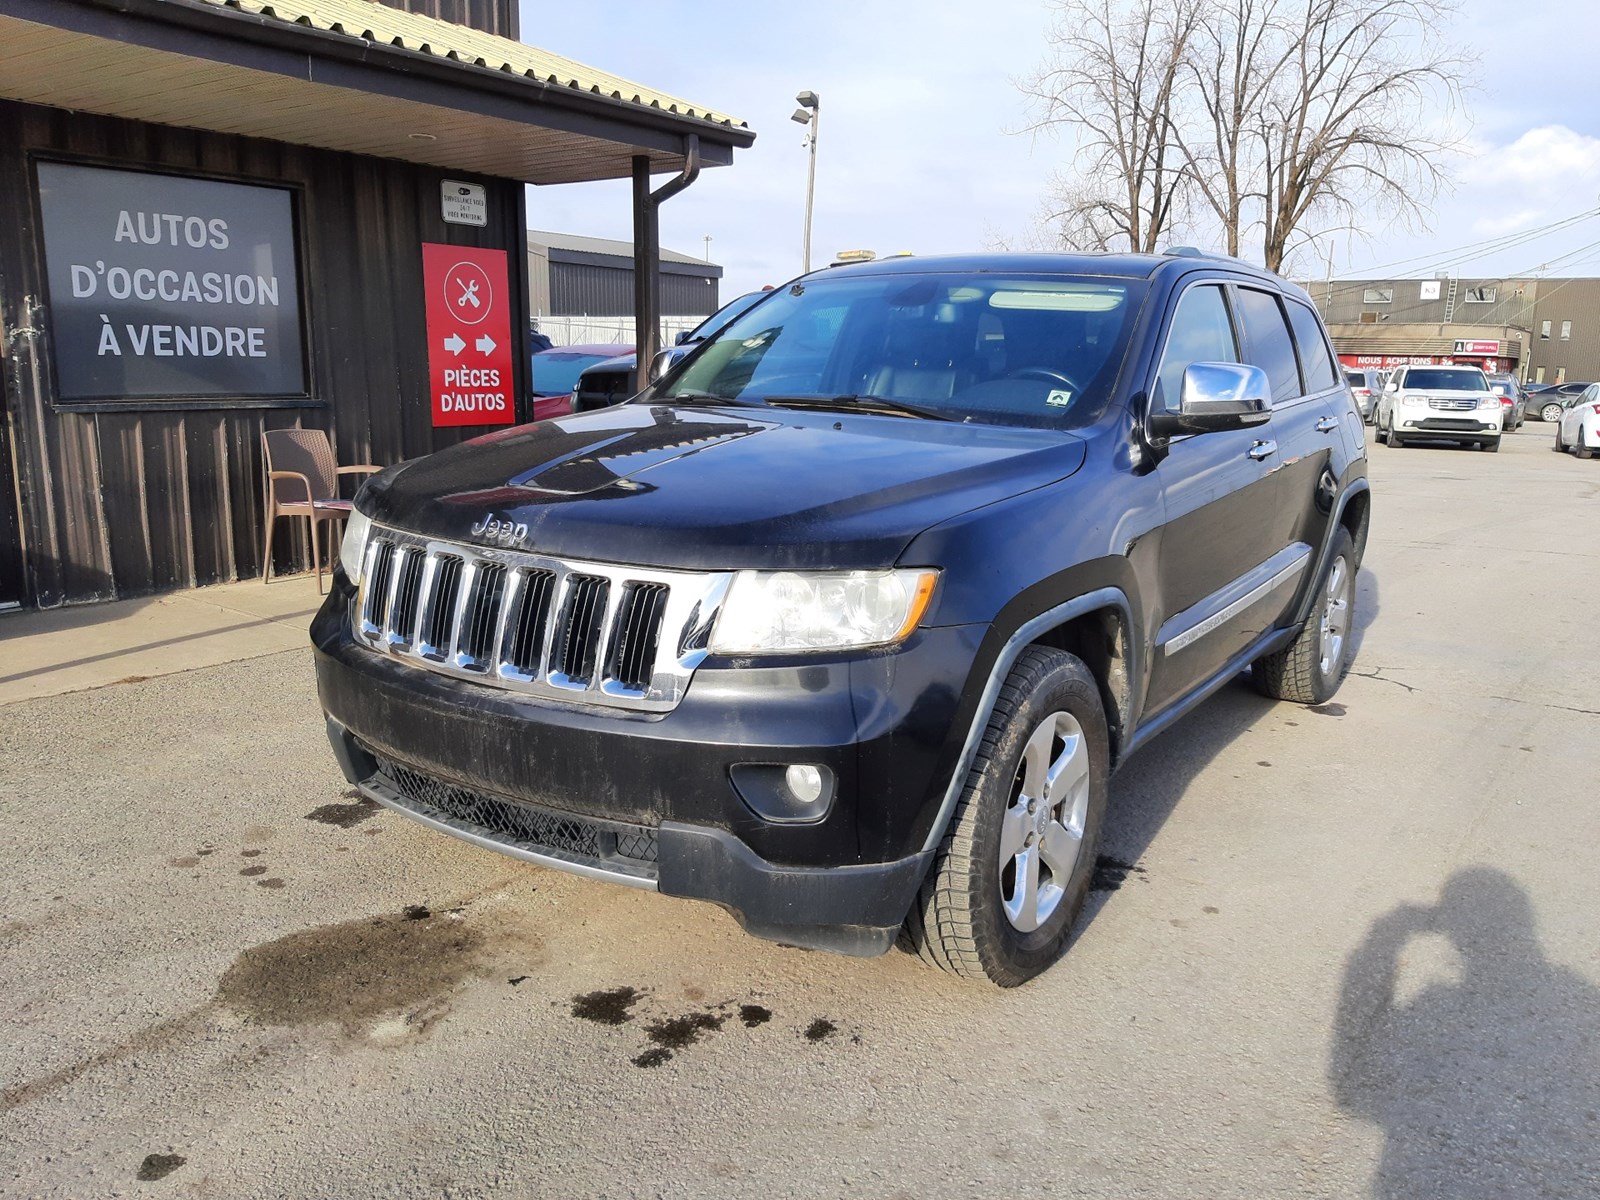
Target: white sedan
1579	430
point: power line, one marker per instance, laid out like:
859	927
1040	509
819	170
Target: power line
1483	248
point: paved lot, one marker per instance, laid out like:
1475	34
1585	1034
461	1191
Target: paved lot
1353	950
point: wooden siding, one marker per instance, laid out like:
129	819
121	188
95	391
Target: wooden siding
498	17
135	500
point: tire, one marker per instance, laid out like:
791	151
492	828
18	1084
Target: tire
1558	447
1550	412
1579	449
974	912
1392	438
1309	669
1492	447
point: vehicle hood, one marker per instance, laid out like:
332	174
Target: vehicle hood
716	488
623	362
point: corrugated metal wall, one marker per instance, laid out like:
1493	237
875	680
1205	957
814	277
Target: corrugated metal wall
132	500
602	291
491	16
1577	356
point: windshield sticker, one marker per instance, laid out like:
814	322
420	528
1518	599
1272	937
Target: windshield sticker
1059	399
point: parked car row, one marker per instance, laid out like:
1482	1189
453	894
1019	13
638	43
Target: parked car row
1547	401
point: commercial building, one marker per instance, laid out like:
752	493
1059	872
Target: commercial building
224	216
1545	330
588	283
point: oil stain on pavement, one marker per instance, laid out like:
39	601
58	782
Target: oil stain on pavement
670	1035
346	816
353	973
158	1166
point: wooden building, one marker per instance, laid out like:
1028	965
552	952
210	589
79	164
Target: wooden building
216	215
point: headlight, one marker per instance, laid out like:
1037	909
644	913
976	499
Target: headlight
775	612
1408	400
353	550
1492	401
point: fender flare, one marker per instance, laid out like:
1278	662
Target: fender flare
1020	639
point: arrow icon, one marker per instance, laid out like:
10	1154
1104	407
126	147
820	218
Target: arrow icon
485	344
454	344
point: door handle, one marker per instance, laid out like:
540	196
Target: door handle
1261	450
1327	424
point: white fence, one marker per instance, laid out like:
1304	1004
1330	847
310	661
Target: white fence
606	331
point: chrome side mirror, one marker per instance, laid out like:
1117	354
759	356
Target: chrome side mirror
1217	396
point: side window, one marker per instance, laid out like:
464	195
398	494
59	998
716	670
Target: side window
1201	332
1315	364
1267	338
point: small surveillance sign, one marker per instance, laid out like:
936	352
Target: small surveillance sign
463	203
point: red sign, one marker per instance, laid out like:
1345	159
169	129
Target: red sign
1489	348
469	335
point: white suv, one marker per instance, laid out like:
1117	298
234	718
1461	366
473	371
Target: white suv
1439	402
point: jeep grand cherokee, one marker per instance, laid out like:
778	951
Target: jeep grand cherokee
844	623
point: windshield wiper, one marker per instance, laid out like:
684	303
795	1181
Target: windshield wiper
696	398
852	402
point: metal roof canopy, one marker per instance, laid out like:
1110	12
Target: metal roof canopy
297	73
406	86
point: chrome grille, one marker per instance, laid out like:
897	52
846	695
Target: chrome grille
1452	403
582	632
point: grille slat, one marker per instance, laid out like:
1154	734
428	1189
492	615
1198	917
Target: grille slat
585	632
1451	404
581	617
402	617
525	653
638	635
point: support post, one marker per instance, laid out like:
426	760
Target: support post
647	253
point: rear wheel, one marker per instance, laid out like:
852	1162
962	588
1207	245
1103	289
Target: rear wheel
1014	868
1309	669
1559	447
1579	448
1550	412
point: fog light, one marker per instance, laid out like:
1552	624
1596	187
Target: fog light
796	794
805	781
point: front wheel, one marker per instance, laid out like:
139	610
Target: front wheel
1492	447
1309	669
1393	438
1014	868
1550	412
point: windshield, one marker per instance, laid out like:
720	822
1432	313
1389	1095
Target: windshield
1454	379
1041	351
722	316
555	372
1505	387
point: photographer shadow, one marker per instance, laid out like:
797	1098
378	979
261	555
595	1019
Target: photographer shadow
1486	1085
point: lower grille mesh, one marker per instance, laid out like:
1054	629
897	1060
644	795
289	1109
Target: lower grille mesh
609	845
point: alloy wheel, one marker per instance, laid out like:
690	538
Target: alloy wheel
1041	833
1335	619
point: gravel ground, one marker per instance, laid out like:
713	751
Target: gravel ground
1338	951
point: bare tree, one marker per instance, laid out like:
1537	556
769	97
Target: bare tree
1110	80
1291	117
1344	129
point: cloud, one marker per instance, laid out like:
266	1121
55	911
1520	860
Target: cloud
1540	156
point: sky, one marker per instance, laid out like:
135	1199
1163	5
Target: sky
922	144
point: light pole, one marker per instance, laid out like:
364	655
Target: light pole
807	114
708	247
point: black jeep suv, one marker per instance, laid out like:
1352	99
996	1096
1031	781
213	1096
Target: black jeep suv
844	623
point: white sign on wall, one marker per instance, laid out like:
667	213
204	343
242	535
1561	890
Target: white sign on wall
463	203
1430	289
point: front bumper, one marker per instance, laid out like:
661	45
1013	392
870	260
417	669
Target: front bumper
1465	425
649	799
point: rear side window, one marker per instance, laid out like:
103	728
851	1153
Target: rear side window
1201	332
1315	364
1270	347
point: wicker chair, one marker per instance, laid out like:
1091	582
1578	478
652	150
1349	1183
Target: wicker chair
303	481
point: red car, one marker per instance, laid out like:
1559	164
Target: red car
555	372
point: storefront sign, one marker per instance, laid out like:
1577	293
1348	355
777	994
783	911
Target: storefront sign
463	203
469	335
164	287
1386	362
1469	347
